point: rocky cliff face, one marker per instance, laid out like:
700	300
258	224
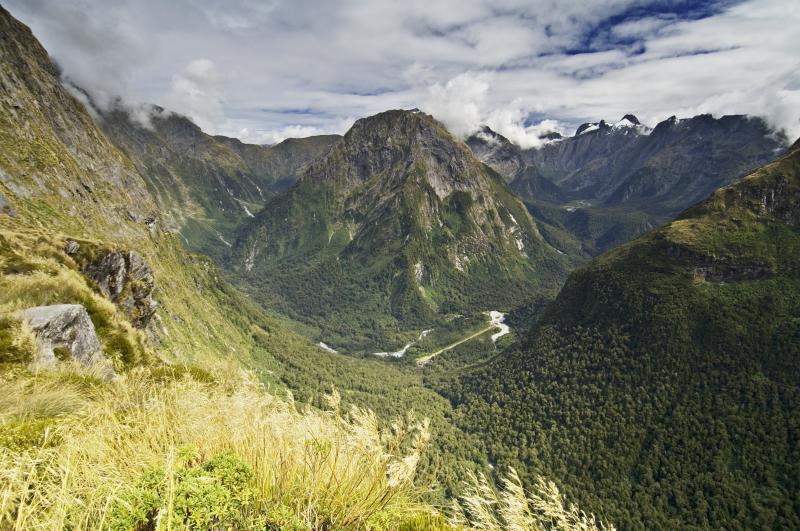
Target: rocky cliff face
48	143
124	278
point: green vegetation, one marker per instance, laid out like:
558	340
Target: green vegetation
371	250
581	230
662	385
141	453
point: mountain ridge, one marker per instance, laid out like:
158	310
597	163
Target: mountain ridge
397	189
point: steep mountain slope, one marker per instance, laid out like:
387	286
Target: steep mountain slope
397	226
280	164
661	171
71	206
62	178
611	182
205	185
663	382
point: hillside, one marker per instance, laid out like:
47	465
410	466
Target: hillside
205	186
111	378
396	227
662	383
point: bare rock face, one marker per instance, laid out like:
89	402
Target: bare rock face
71	247
65	327
126	279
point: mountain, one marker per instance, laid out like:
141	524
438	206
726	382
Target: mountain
508	159
662	384
281	163
82	237
205	185
660	171
611	182
397	226
497	152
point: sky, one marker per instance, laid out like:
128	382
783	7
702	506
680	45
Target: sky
264	70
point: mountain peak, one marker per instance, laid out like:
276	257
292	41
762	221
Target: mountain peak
390	145
631	118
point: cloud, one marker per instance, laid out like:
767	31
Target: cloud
460	103
235	64
274	136
196	93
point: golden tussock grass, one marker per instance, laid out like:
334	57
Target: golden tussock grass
317	470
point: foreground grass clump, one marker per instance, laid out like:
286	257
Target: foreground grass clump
160	449
154	453
510	508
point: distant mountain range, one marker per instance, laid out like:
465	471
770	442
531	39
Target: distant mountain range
611	182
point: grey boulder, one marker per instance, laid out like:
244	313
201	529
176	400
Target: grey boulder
67	327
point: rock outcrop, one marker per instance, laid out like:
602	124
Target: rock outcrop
65	330
126	279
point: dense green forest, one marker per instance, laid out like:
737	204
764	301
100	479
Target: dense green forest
662	385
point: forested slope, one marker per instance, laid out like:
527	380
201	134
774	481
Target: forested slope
663	383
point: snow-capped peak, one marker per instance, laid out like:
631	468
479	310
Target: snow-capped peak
587	128
629	122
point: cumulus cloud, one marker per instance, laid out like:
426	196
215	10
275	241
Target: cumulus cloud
277	68
463	105
196	93
460	103
273	136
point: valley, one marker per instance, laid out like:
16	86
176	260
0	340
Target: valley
397	327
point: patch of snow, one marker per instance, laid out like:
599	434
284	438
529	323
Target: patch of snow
250	261
247	211
460	262
592	127
624	123
559	251
627	125
419	271
325	347
513	218
498	319
226	242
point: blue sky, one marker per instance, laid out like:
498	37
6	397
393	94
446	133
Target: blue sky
264	70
